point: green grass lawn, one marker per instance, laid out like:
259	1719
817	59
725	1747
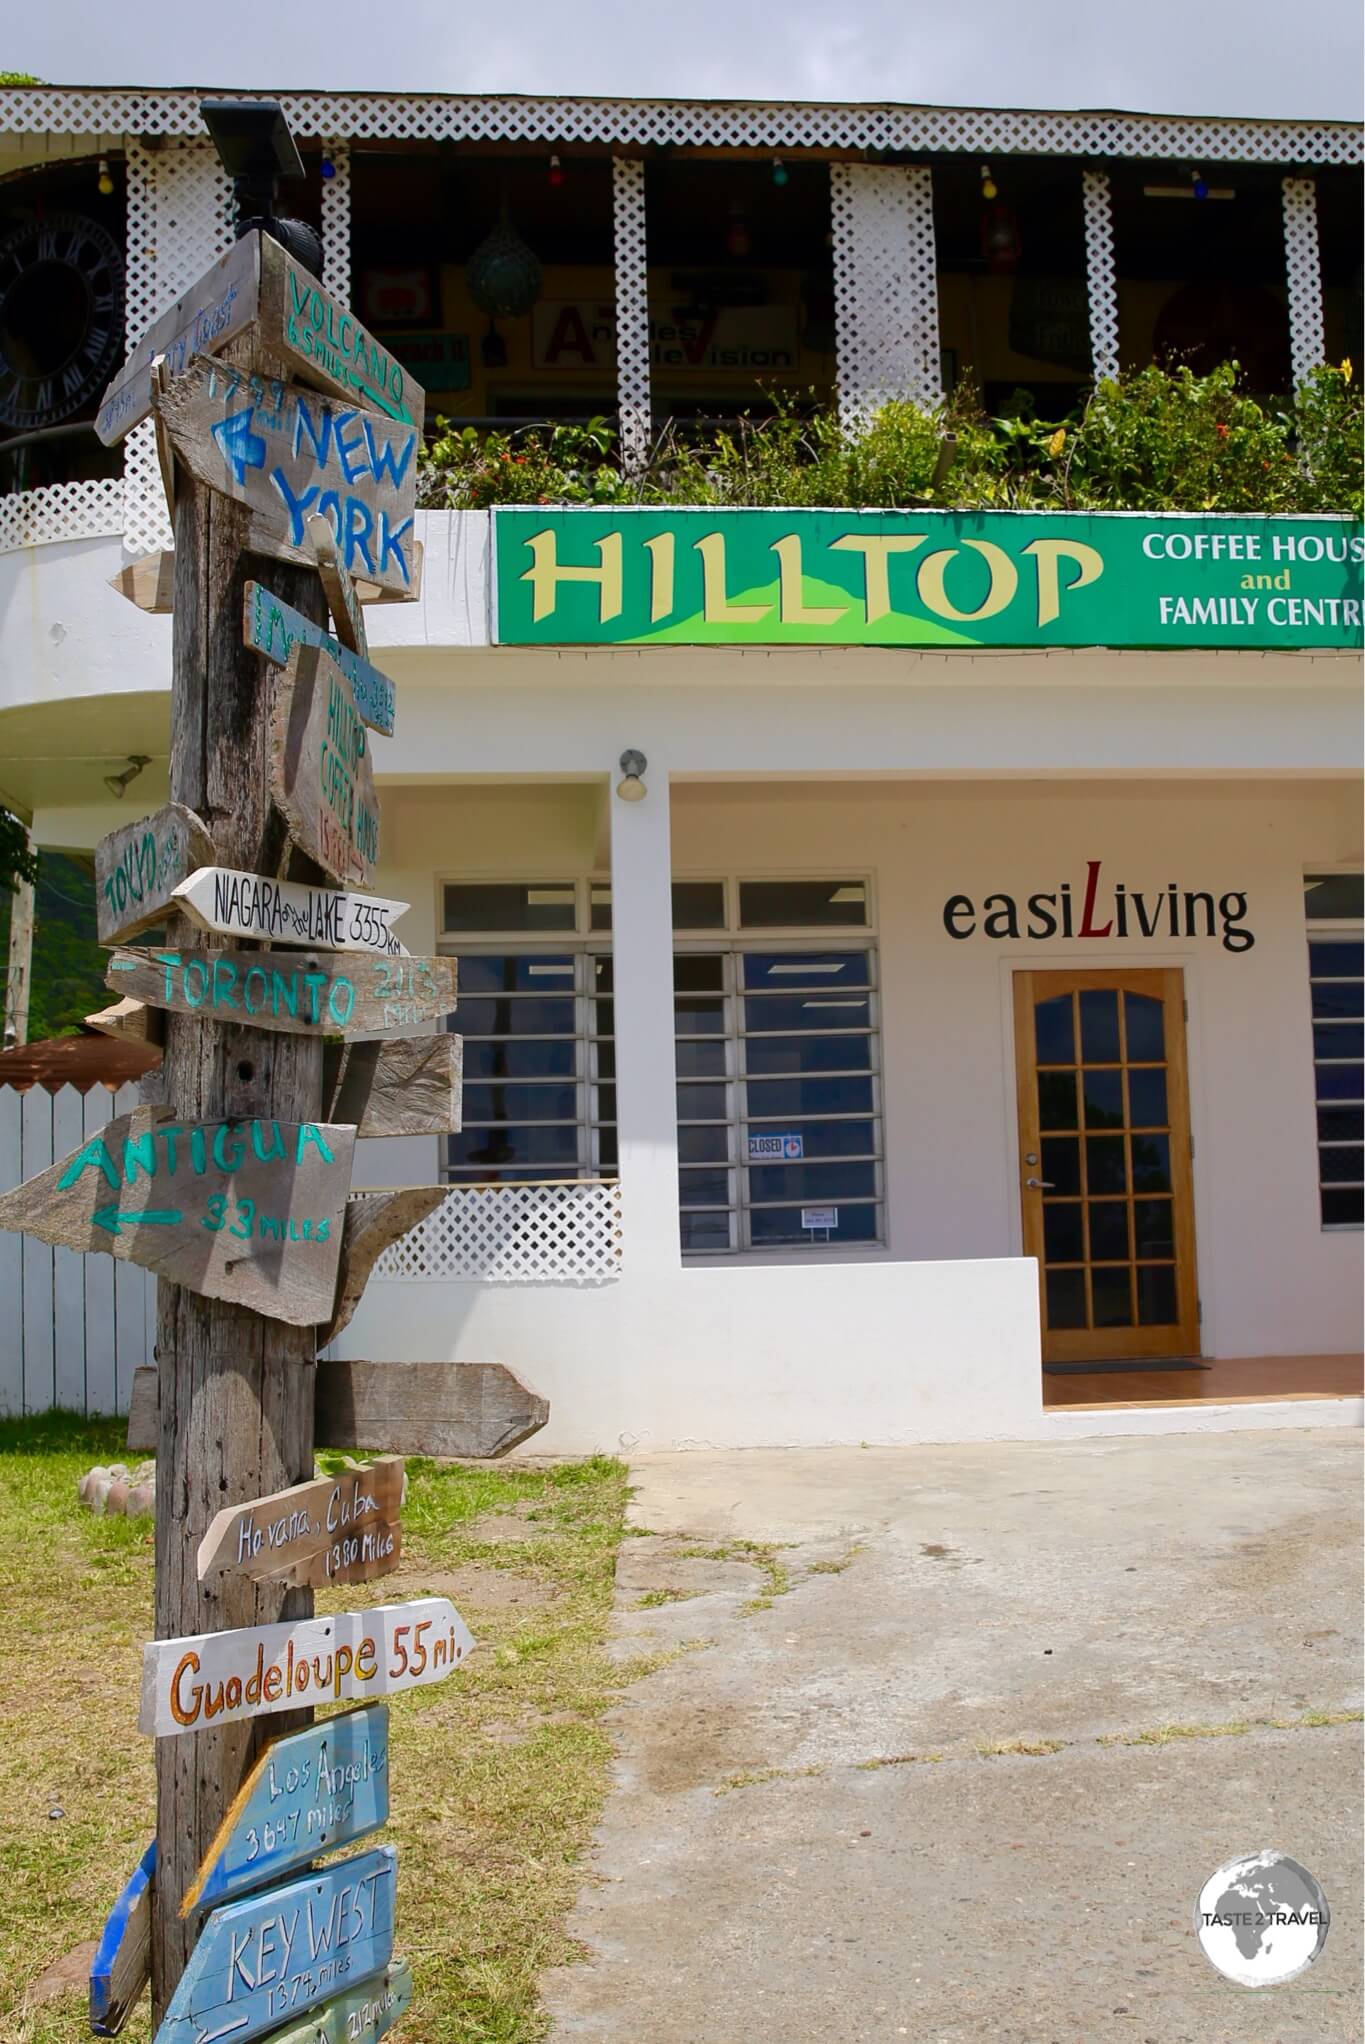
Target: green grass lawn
498	1773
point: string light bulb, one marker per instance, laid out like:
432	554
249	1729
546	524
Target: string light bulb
989	188
781	174
105	182
1199	184
328	169
556	171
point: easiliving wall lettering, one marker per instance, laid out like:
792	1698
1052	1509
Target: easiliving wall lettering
1097	909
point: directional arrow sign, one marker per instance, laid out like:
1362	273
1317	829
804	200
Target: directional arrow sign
326	344
309	1793
320	772
122	1964
285	451
249	1211
411	1087
138	867
270	1956
328	993
360	2015
342	601
341	1529
215	308
213	1677
274	627
236	904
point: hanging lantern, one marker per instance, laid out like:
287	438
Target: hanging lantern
999	238
503	274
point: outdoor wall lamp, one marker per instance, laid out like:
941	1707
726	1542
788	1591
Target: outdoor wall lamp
117	784
630	787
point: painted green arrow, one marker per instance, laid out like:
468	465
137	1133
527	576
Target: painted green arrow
110	1217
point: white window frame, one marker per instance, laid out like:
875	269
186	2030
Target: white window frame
583	945
1329	927
731	943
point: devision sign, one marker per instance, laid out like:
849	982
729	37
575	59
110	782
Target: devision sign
924	578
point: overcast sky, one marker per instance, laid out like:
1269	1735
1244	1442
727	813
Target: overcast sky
1293	58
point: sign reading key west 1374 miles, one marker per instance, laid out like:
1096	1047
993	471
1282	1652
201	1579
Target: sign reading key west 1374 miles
249	1211
924	578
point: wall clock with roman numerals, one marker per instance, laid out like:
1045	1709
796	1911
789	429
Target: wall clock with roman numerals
61	318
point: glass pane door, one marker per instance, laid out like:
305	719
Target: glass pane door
1105	1162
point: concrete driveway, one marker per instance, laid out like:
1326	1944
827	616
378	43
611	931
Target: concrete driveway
958	1735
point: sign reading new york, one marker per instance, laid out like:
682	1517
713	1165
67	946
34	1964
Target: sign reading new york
924	578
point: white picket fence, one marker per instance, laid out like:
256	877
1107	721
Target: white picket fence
72	1328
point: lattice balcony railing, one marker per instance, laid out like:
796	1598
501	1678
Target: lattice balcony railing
550	1232
87	510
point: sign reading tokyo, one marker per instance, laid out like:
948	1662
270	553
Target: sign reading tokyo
924	578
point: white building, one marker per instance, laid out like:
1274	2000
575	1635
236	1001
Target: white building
772	1103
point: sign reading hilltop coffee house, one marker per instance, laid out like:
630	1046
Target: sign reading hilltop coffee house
924	578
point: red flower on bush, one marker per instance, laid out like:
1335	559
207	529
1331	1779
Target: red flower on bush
1221	430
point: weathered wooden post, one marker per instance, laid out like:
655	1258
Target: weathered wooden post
234	1188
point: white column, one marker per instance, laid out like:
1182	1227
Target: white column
1303	277
642	968
336	222
1101	285
886	335
632	310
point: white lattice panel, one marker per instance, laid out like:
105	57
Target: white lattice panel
1303	274
1101	281
179	222
986	131
89	510
632	310
336	222
561	1234
885	287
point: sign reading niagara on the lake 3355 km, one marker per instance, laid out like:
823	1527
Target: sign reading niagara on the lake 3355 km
249	1211
236	904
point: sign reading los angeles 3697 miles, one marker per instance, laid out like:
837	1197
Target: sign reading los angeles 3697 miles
249	1211
924	578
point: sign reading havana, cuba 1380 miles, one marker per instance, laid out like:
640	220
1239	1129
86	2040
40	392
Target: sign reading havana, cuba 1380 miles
924	578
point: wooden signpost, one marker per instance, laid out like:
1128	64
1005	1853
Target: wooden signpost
471	1410
270	1956
320	773
149	583
215	1677
373	1222
134	1022
285	451
310	1792
340	1529
200	322
236	904
359	2015
139	867
122	1963
328	993
274	628
249	1211
407	1088
348	620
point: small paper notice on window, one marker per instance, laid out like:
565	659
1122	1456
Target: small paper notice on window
778	1149
820	1217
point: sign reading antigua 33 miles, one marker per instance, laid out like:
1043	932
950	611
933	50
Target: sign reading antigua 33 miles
248	1211
924	578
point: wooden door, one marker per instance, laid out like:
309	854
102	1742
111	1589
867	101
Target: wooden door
1104	1162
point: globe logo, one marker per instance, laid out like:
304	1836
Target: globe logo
1261	1920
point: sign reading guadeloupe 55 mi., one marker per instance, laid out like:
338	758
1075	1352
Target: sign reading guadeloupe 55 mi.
924	578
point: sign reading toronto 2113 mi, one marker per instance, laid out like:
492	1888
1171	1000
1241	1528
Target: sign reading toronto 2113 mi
266	1957
321	777
285	451
310	1792
352	994
248	1211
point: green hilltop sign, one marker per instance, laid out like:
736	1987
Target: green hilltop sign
924	578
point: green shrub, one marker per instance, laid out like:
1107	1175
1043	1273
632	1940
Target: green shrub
1152	440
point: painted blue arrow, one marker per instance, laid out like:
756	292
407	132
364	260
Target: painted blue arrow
241	448
110	1217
